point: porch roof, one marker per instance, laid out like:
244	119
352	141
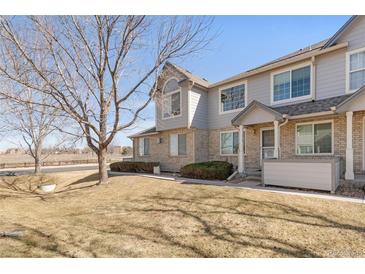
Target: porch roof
303	108
353	102
314	106
261	114
146	132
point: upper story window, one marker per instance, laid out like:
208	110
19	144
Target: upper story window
291	84
356	69
171	105
232	98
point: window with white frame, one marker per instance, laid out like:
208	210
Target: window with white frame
232	98
356	70
177	144
171	105
144	146
314	138
229	142
291	84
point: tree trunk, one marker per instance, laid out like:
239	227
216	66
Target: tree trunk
103	173
37	165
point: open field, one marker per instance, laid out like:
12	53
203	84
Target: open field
25	158
142	217
10	161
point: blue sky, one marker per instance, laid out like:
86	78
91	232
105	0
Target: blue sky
249	41
244	43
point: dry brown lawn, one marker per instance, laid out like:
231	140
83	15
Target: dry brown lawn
140	217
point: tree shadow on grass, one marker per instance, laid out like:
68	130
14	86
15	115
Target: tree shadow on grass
202	213
34	238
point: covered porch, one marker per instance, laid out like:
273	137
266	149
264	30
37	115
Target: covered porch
271	132
266	137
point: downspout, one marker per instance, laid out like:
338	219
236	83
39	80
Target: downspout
313	78
285	116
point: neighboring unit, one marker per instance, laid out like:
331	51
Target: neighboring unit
308	105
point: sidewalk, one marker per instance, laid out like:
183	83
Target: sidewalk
252	185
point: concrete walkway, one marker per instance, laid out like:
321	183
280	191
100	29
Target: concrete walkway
254	185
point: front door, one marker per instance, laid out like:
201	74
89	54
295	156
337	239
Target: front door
267	144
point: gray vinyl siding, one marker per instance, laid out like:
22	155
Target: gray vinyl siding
355	34
198	108
216	120
331	74
258	87
177	122
330	82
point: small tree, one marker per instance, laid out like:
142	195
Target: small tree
31	119
100	70
127	150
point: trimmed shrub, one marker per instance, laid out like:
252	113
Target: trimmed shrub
213	170
141	167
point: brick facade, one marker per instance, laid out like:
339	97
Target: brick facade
203	145
196	149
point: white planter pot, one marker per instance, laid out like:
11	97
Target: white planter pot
48	188
156	170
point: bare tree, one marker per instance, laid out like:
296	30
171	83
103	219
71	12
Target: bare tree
31	119
100	70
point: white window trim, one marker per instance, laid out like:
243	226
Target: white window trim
220	142
178	155
230	86
286	69
141	152
348	54
315	123
167	95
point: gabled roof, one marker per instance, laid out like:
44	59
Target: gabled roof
309	107
311	50
253	104
350	98
335	37
196	79
146	132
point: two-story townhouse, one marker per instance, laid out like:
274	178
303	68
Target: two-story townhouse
308	104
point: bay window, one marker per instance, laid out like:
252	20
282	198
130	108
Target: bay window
177	144
171	99
232	98
314	138
291	84
356	70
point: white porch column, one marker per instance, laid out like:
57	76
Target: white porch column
349	175
276	139
240	151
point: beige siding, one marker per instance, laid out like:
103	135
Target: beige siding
331	74
355	34
198	106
